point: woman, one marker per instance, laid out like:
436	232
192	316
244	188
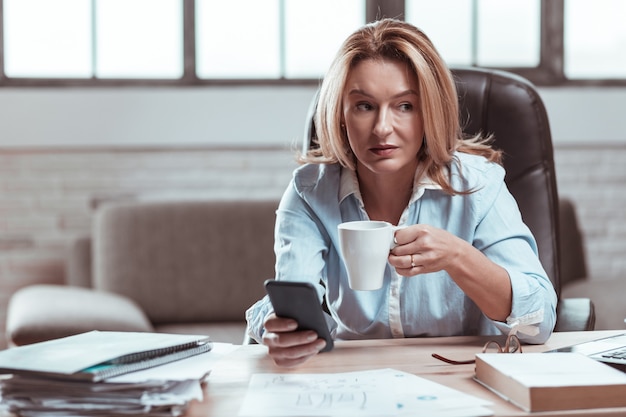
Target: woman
391	148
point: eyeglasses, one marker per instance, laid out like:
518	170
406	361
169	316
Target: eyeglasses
511	345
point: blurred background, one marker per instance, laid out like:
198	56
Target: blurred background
113	99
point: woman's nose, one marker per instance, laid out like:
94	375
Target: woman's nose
383	127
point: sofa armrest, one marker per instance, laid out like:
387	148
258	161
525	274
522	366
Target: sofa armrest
575	314
42	312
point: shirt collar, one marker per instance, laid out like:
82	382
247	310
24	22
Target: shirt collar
349	184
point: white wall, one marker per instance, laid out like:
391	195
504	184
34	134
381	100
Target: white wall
222	116
227	116
586	115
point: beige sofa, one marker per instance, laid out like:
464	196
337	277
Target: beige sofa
191	266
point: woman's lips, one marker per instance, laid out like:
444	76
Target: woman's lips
383	150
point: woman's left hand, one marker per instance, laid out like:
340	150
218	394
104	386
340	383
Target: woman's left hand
421	248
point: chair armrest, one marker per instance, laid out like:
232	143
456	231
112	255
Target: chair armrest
575	314
42	312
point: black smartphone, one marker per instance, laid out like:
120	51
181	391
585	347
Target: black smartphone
298	301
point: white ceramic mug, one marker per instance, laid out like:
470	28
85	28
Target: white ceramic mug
365	247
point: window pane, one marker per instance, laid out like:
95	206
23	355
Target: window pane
247	46
450	32
139	38
314	31
47	39
595	39
509	33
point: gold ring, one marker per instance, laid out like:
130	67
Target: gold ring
412	262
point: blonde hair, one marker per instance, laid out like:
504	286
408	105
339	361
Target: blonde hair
390	39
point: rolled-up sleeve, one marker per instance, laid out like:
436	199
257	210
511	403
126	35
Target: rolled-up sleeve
504	238
301	249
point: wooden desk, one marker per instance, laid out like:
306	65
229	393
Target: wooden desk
227	384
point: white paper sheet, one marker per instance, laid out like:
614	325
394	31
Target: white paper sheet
381	392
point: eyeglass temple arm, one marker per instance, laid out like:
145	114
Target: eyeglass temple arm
451	361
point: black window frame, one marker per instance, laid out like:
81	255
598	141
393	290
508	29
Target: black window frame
549	72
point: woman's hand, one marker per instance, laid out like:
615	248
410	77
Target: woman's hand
289	347
422	248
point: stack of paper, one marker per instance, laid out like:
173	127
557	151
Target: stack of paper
157	390
383	392
27	396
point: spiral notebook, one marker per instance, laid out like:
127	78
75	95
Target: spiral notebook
97	355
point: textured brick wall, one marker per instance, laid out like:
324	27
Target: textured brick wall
595	179
46	196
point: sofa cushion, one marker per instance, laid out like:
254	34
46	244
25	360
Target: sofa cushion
42	312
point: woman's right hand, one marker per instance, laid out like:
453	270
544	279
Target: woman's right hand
287	346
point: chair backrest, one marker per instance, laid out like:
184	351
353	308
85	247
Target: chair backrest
185	261
509	107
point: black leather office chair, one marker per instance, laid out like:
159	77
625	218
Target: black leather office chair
509	107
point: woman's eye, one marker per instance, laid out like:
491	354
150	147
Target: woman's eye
363	106
406	107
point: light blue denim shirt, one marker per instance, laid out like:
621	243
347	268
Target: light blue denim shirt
320	197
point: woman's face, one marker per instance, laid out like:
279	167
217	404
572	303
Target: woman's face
382	116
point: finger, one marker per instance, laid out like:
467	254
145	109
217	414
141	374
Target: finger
289	339
286	362
406	248
280	324
407	234
404	261
407	265
409	272
401	236
295	355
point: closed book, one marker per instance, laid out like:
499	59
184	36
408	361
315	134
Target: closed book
551	381
98	355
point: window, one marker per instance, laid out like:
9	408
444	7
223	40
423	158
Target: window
314	32
508	33
238	53
291	39
102	39
489	33
595	39
130	43
193	42
41	39
435	19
